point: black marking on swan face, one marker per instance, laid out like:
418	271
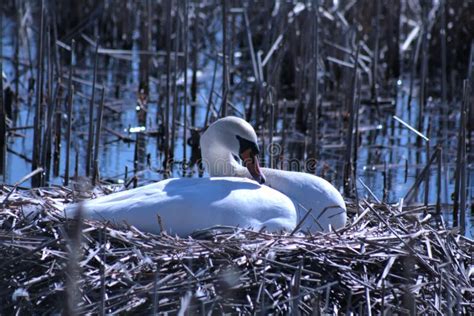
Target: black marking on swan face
245	144
237	158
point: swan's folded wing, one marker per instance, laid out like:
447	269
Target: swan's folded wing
186	205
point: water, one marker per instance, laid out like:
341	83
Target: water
384	150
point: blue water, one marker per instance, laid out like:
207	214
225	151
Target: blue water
115	155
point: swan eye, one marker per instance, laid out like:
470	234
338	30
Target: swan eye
245	144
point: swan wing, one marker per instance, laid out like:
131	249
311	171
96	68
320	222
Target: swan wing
185	205
310	193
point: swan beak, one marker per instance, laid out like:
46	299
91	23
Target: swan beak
252	165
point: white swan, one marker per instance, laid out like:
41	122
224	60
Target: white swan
229	197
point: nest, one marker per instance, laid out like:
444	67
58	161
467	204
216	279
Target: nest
390	258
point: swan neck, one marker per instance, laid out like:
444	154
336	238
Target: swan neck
220	163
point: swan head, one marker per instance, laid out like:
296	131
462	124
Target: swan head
226	141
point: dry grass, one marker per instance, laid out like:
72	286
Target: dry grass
391	258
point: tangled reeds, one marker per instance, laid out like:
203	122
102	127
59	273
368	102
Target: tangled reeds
378	83
389	258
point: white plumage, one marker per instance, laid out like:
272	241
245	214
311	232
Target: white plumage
229	197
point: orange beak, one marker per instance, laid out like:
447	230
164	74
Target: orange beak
251	163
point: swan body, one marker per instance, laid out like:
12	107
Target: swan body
189	204
311	194
229	197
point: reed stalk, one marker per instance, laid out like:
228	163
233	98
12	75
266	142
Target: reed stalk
174	114
224	59
413	72
168	89
211	94
3	114
462	163
348	186
444	78
438	179
90	138
315	85
69	112
375	61
424	73
98	130
194	53
36	180
185	96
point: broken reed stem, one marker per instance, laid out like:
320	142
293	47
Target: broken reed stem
417	132
36	180
90	139
15	186
100	111
420	177
69	113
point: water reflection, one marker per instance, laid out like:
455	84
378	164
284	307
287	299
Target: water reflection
388	159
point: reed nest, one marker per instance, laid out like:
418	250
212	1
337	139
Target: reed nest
400	259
